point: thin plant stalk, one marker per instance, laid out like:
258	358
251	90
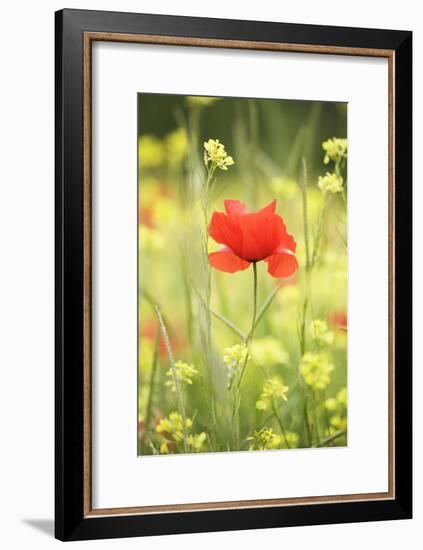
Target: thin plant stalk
205	208
326	413
279	420
250	334
303	186
330	438
180	397
203	191
154	364
247	343
265	306
319	230
315	416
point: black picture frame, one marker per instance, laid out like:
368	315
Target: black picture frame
71	520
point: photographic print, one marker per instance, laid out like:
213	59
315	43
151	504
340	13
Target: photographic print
242	274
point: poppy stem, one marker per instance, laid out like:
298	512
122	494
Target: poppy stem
253	322
249	337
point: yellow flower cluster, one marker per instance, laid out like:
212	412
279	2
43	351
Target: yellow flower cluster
268	351
335	149
315	369
172	425
338	405
320	332
171	429
214	152
234	358
184	374
273	388
197	441
266	439
330	183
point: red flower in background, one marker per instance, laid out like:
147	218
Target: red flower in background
339	319
252	237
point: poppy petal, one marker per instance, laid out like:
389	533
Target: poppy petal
235	208
287	241
225	230
269	208
225	260
282	264
261	235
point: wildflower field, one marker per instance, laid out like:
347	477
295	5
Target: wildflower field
242	303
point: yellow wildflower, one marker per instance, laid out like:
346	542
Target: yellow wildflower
315	368
172	425
321	333
164	449
197	441
273	388
184	373
330	182
214	152
234	358
335	149
264	439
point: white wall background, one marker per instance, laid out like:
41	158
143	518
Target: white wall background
27	282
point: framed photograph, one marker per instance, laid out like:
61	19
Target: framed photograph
233	274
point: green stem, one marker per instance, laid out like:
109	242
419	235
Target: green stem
326	412
303	186
308	266
181	404
206	303
330	438
315	416
319	229
265	306
152	380
281	426
222	318
250	334
237	385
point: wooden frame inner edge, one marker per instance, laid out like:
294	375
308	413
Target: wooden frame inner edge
88	38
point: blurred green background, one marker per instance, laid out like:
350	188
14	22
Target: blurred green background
287	129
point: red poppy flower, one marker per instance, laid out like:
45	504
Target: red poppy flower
252	237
